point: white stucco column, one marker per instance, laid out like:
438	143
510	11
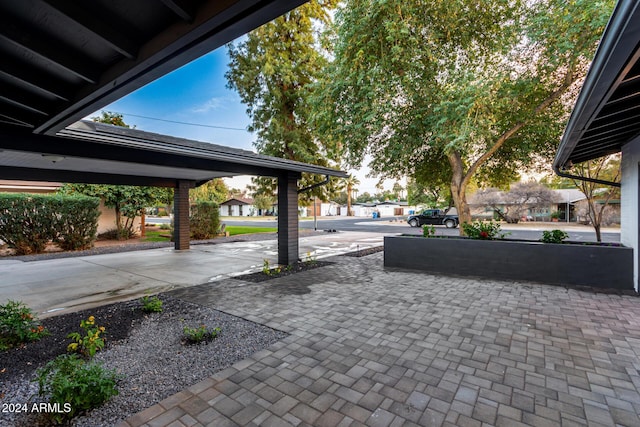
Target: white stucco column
630	202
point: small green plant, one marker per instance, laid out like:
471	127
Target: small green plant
199	334
311	259
151	304
266	269
165	226
485	230
74	386
89	344
428	230
554	236
18	325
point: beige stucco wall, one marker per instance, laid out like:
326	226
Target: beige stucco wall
107	219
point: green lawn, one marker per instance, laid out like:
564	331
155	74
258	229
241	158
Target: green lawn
158	236
238	229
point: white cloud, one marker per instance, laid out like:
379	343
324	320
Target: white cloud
212	104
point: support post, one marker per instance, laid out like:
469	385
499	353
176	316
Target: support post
181	231
288	218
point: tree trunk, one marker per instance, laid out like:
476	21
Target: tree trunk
349	212
118	221
459	188
143	220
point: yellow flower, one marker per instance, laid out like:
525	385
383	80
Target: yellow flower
92	320
101	328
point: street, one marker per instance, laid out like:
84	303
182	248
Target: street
398	225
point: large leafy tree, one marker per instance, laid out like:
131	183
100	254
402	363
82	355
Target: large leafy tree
214	190
272	70
465	90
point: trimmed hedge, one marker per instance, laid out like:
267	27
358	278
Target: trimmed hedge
77	223
29	221
204	221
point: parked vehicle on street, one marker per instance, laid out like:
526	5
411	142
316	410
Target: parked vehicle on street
433	217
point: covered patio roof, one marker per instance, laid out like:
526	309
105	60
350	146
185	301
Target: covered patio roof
89	152
607	113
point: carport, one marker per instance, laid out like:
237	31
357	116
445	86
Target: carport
63	60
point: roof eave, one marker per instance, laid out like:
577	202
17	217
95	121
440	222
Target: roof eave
613	54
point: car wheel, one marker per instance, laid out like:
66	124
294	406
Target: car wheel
450	223
414	223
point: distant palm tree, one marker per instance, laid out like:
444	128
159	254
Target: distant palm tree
350	182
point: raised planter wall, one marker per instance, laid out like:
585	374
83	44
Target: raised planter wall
557	264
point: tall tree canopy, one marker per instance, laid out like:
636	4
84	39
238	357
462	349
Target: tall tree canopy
461	91
273	70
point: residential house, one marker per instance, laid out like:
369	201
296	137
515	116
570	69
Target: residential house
238	206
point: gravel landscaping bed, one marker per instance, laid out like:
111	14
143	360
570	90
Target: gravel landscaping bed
365	252
261	276
145	349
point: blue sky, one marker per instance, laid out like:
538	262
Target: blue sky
197	93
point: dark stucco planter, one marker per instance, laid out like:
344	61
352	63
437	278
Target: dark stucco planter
557	264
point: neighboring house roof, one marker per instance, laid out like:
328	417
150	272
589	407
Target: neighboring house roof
27	186
569	195
605	116
237	201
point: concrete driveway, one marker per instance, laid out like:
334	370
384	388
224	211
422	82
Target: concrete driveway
69	284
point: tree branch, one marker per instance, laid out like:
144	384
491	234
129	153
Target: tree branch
569	78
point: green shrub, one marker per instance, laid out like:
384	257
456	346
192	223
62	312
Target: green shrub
204	221
428	230
199	334
151	304
483	230
18	325
554	236
29	221
75	385
77	223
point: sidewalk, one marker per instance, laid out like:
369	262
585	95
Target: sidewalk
70	284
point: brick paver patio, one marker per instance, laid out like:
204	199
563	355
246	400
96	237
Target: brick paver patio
374	347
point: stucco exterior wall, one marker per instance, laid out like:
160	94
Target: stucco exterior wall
629	214
107	219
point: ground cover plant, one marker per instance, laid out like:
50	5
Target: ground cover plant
151	304
199	334
18	325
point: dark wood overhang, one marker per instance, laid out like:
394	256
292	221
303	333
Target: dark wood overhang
62	60
91	152
606	115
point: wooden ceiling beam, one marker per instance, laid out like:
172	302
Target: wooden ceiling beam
41	45
97	25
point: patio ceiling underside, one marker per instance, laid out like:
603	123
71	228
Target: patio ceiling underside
607	113
64	59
